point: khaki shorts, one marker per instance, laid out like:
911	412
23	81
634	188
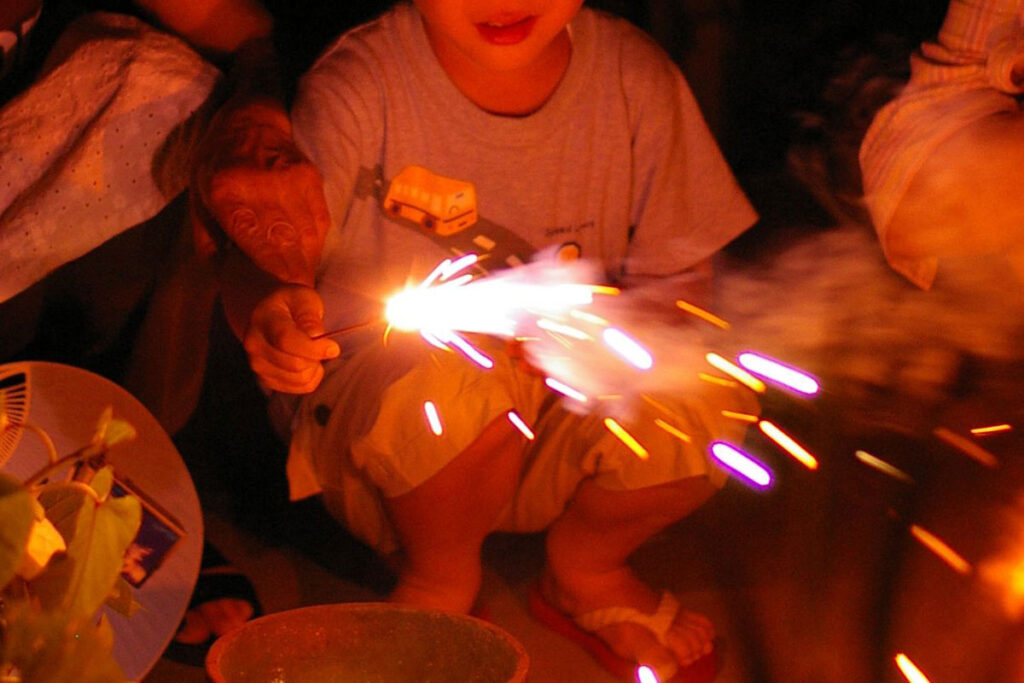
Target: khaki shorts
363	435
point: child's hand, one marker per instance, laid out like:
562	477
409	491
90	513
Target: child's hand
279	340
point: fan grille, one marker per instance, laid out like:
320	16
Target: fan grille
13	409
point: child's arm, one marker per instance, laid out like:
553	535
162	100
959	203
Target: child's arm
276	323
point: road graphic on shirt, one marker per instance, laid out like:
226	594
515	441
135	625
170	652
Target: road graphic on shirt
444	210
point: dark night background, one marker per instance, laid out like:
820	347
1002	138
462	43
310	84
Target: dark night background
788	88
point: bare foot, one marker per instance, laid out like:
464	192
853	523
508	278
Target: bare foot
689	638
213	618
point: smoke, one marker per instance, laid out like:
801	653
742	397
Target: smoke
829	303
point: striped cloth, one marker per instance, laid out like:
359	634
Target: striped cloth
964	75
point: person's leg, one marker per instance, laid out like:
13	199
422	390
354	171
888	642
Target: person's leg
441	524
587	550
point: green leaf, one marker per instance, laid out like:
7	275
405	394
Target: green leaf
122	598
48	646
118	431
17	516
97	535
102	482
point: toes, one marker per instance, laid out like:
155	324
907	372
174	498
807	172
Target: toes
194	629
691	638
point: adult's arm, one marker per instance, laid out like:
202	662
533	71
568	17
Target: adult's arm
939	161
251	185
966	200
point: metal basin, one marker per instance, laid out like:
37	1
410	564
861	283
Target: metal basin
367	643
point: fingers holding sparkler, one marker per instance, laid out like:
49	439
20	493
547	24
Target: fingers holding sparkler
281	343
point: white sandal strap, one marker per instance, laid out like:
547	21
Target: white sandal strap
658	623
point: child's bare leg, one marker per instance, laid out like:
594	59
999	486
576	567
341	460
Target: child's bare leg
442	523
587	548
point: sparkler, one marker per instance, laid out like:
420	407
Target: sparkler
597	346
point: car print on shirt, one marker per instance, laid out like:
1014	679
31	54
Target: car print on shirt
455	223
443	205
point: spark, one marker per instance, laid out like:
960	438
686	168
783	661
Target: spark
742	417
788	444
468	350
588	317
433	419
736	372
607	290
702	314
559	328
741	463
721	381
910	670
565	389
628	348
939	547
682	436
882	466
434	341
459	264
520	424
967	447
489	306
985	431
626	438
779	373
645	674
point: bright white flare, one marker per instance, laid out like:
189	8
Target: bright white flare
741	463
910	670
627	347
781	374
433	419
644	674
520	424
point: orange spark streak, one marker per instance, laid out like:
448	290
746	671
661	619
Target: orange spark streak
682	436
910	670
788	444
721	381
984	431
736	372
939	547
702	314
882	466
742	417
967	447
626	438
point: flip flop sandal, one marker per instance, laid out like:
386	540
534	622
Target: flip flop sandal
218	580
581	631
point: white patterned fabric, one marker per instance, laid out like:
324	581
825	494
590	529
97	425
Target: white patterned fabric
97	145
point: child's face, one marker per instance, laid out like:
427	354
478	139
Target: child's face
497	35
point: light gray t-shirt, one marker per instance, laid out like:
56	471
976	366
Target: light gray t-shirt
618	166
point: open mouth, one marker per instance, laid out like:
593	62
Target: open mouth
501	32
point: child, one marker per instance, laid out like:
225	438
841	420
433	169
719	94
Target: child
448	127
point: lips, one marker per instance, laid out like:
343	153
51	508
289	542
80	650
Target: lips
506	32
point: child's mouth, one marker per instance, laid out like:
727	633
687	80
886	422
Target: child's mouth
504	32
